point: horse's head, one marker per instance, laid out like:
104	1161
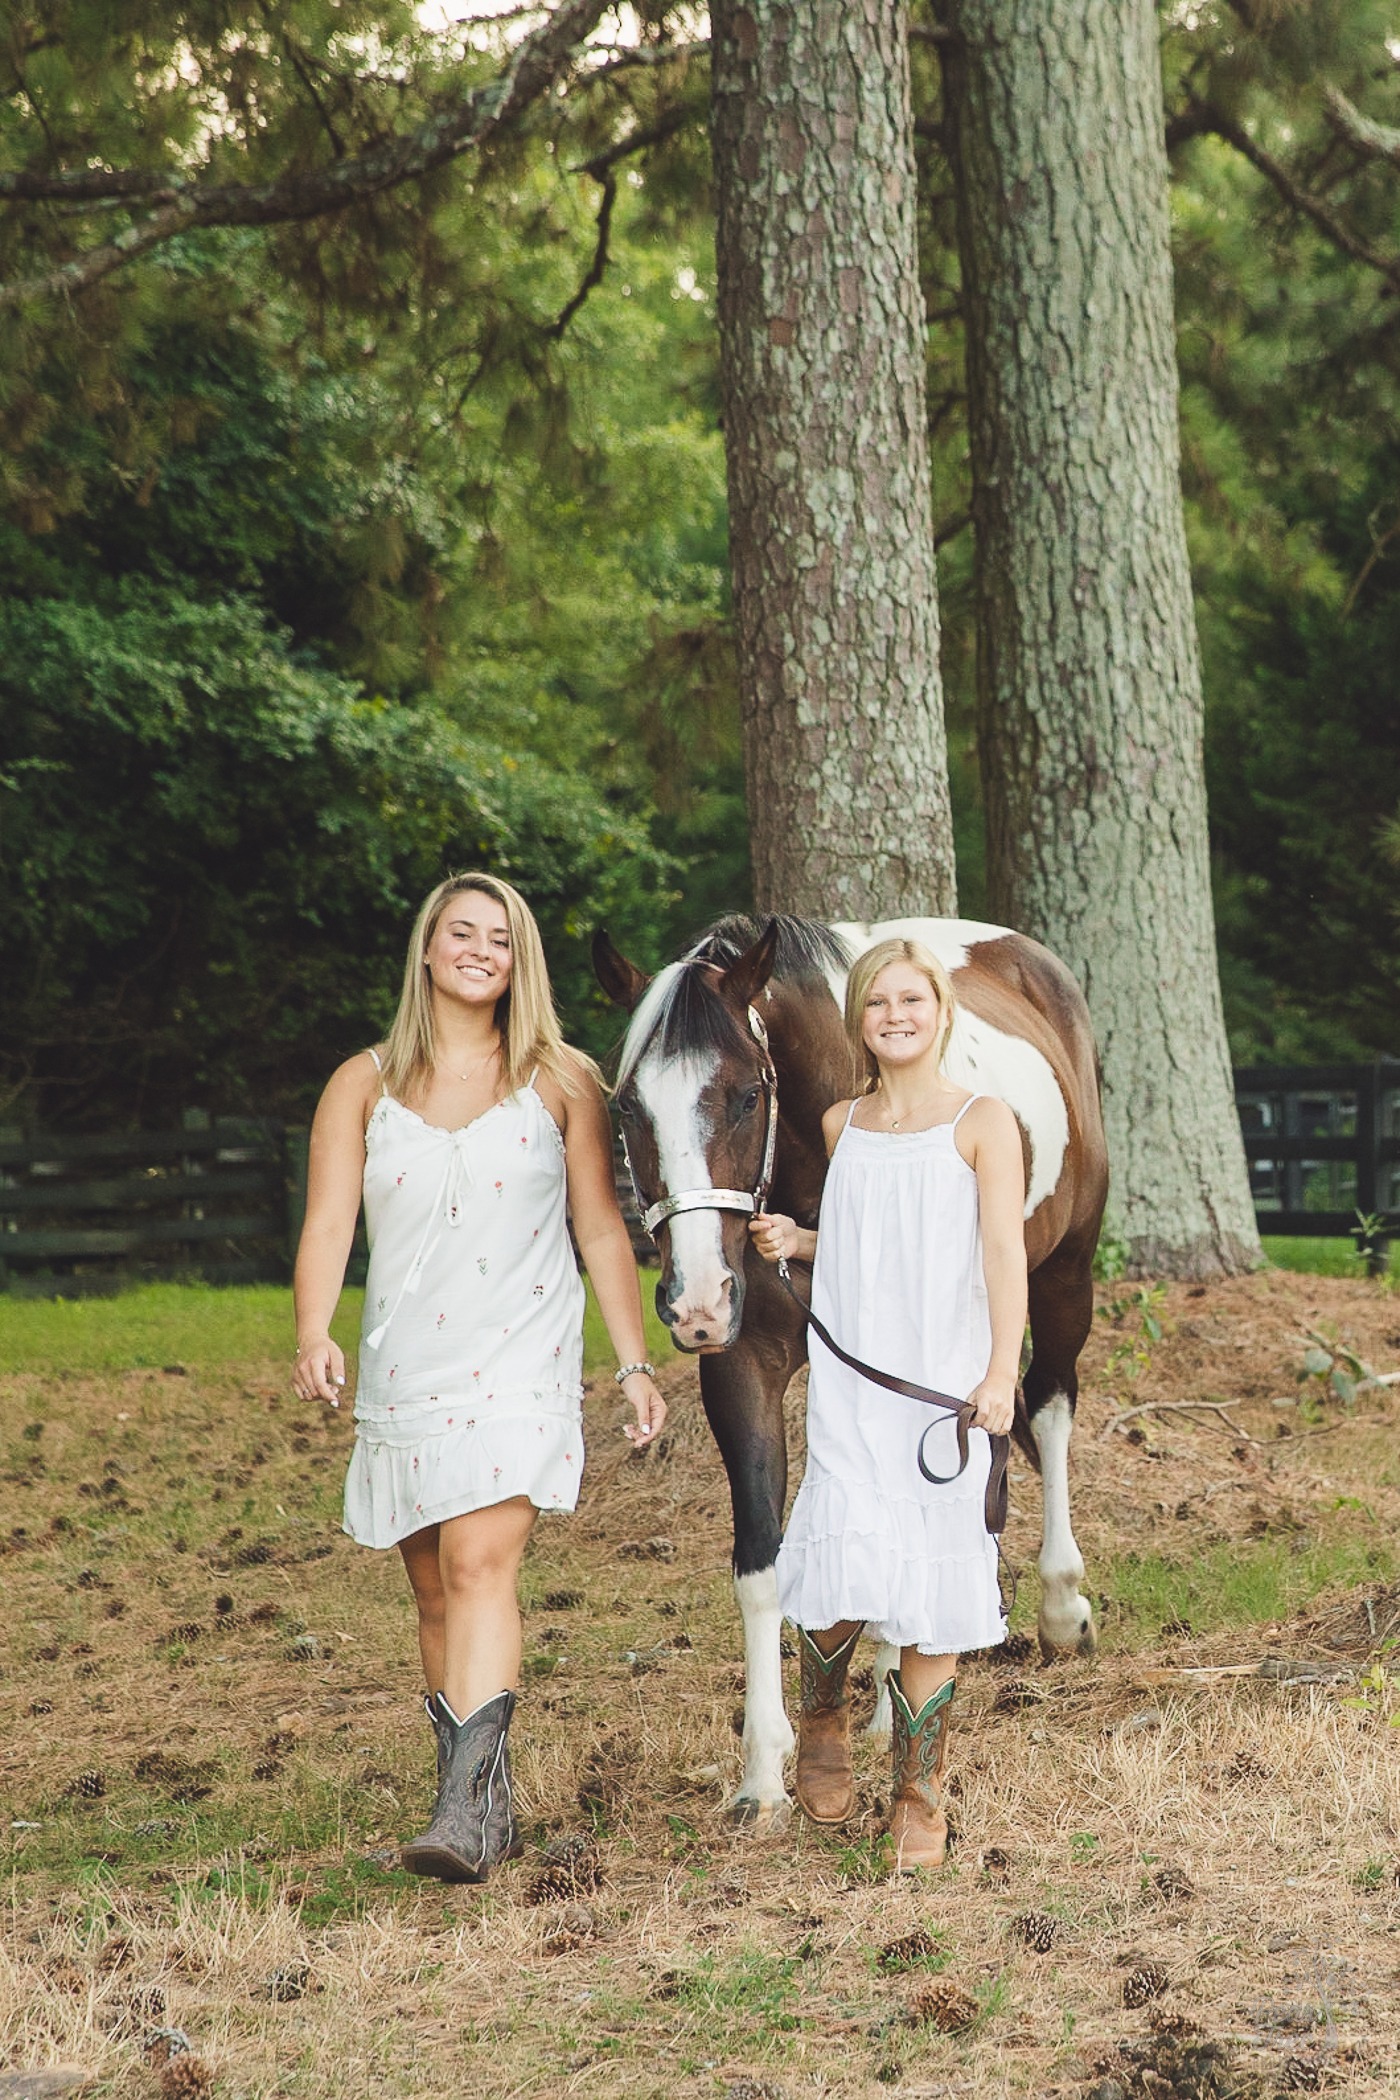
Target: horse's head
695	1096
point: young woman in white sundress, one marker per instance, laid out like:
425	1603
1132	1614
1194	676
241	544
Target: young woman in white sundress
920	1270
472	1133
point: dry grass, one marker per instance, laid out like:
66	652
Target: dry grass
1239	1834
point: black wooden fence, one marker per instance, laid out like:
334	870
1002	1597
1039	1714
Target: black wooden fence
1323	1146
223	1199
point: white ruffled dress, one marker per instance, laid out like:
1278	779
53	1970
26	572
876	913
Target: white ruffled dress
899	1282
470	1378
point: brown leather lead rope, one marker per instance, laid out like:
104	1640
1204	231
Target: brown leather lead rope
994	1505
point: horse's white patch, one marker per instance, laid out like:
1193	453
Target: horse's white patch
983	1059
645	1016
1066	1618
768	1736
886	1659
669	1089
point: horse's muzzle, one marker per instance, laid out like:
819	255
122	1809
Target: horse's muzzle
702	1326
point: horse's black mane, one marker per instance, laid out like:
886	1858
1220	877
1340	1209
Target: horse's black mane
681	1005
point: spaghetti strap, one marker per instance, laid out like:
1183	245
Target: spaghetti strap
963	1110
378	1066
851	1111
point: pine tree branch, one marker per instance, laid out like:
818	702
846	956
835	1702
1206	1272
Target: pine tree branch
1374	141
456	126
637	141
1304	201
599	263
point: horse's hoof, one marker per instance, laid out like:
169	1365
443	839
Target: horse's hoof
1083	1644
763	1818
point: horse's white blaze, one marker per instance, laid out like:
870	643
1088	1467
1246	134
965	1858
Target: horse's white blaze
886	1659
982	1058
670	1090
768	1736
1066	1618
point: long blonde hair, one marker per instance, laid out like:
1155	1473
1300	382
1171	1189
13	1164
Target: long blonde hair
864	971
525	1018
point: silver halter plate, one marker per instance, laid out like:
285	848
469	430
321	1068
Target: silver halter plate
656	1214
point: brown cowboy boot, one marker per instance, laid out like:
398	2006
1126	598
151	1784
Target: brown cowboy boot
824	1783
919	1745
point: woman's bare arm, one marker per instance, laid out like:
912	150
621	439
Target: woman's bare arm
334	1185
606	1248
993	1151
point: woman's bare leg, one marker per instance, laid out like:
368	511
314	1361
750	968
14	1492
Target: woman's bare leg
479	1558
420	1559
922	1675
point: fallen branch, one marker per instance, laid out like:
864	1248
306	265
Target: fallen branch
1182	1407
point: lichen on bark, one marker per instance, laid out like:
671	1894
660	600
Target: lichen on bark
822	358
1089	691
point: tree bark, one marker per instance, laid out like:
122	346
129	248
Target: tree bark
831	537
1089	691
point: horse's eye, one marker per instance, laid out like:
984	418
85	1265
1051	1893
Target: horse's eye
627	1108
749	1102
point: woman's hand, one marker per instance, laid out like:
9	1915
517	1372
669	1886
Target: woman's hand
319	1373
780	1238
647	1405
995	1402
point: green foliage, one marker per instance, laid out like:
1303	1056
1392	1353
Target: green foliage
1290	376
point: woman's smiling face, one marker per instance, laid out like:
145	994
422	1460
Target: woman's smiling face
469	955
904	1017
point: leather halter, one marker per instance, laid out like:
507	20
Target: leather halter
749	1202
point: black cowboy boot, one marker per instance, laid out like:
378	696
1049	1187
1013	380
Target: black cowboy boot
472	1826
919	1747
824	1782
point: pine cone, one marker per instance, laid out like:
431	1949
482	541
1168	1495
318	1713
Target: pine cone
1301	2074
1036	1929
575	1926
996	1864
906	1952
571	1868
288	1983
1016	1694
267	1768
89	1786
146	2004
1172	1885
188	1630
1144	1983
944	2005
186	2078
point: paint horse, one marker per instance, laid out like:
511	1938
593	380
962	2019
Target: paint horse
730	1059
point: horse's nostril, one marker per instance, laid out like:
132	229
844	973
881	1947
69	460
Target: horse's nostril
701	1335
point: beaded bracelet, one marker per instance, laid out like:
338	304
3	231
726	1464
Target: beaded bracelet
628	1369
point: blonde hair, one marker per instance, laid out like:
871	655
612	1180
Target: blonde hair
865	970
525	1018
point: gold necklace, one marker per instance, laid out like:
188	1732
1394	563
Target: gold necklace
479	1063
895	1121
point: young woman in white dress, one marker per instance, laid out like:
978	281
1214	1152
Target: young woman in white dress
920	1270
472	1134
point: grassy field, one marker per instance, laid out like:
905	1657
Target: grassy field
212	1747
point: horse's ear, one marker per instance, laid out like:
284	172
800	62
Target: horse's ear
742	982
623	982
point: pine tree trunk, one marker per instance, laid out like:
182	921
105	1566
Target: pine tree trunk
1089	692
831	538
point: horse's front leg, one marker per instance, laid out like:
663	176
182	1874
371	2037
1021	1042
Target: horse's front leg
743	1395
1061	1314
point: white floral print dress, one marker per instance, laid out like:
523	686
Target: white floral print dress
470	1374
